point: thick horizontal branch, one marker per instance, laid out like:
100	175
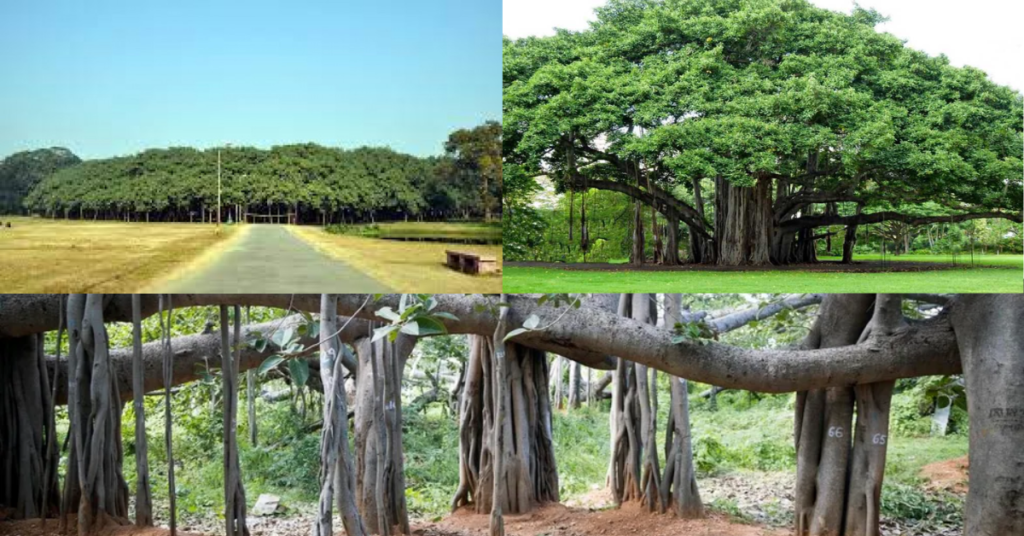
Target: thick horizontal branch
589	335
193	355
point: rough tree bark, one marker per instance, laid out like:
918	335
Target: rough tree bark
26	481
234	491
168	370
991	341
143	500
743	223
575	385
336	476
633	475
530	475
379	467
679	483
636	255
823	422
104	497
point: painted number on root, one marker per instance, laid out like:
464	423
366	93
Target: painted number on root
835	431
878	439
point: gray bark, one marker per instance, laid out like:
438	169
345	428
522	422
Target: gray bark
988	330
143	501
234	491
336	475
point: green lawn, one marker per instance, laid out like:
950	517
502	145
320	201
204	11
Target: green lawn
1004	276
440	231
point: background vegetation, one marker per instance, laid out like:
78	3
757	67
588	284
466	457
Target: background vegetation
319	184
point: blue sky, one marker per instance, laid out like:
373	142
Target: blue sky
109	78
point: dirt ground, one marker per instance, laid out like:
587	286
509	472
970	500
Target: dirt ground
33	527
821	266
552	520
948	475
560	520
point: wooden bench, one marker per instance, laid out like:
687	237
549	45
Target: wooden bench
471	263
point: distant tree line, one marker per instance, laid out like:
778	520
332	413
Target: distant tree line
20	172
316	184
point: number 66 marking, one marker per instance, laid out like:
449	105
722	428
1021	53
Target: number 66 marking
878	439
835	431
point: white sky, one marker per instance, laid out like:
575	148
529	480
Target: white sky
987	34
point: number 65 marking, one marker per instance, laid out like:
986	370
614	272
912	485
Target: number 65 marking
878	439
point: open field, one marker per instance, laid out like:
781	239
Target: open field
404	266
40	255
440	231
1002	274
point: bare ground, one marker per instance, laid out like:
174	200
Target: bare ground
947	475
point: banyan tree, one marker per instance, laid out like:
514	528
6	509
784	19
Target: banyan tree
756	129
843	373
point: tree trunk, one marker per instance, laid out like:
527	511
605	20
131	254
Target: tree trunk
671	256
25	436
743	223
530	475
636	256
250	396
575	385
991	342
839	481
143	501
559	378
336	477
234	491
679	482
633	475
380	469
168	374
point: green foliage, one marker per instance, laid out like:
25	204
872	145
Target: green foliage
20	172
317	182
695	90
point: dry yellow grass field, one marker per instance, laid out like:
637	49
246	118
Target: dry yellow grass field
39	255
404	266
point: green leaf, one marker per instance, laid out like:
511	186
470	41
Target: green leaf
269	364
513	333
423	326
387	314
380	333
299	371
446	316
282	337
531	322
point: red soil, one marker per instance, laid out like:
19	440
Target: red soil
560	520
33	527
949	475
551	520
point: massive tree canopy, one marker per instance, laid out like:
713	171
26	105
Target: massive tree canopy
753	123
20	172
320	184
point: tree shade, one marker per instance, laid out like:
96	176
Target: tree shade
753	123
317	183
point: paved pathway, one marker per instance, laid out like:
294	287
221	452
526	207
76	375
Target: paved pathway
269	259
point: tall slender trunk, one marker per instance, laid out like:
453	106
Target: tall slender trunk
336	477
234	491
143	501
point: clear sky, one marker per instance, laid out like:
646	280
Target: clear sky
106	78
986	34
